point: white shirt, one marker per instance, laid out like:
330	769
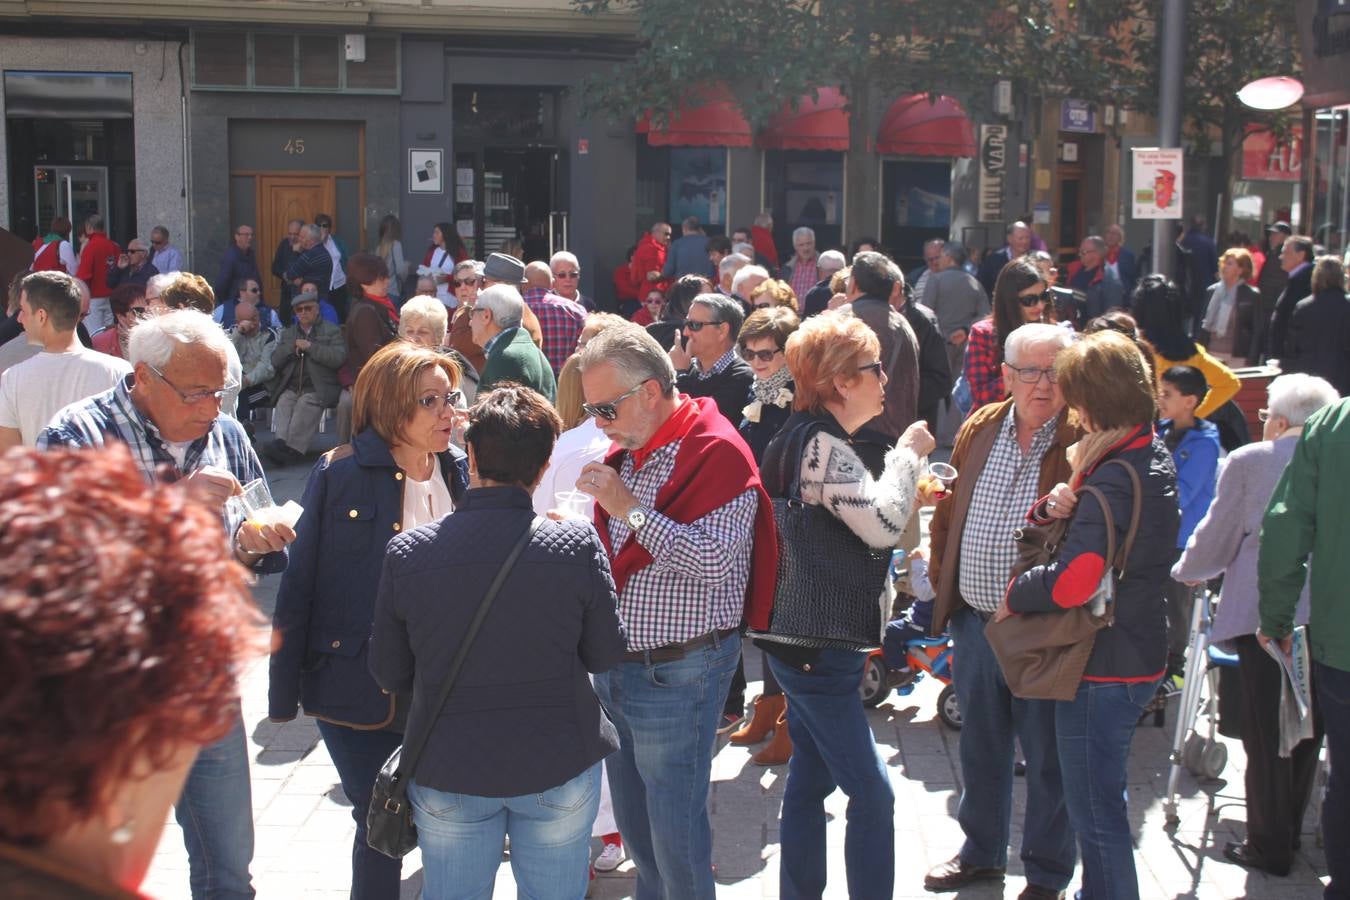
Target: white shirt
576	447
441	259
339	277
34	391
426	501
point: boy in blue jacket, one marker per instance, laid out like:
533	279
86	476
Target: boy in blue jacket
1195	448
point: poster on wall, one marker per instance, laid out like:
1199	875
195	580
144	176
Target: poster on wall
698	184
424	171
1157	182
993	169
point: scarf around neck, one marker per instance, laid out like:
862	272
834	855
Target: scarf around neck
766	390
1092	448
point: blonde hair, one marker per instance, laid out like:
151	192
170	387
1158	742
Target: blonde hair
385	395
570	395
424	309
779	292
825	347
189	291
1242	258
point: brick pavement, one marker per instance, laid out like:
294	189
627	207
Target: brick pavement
304	827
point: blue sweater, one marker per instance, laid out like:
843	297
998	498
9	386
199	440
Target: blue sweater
1197	462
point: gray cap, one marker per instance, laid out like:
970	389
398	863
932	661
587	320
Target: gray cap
306	297
504	268
1281	227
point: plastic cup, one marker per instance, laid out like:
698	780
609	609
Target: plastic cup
943	472
576	504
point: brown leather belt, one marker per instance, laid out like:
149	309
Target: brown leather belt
671	652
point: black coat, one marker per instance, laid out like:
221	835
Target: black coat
935	372
1298	287
771	418
522	717
1319	339
353	506
729	388
991	266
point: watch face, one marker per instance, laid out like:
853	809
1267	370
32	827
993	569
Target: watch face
636	519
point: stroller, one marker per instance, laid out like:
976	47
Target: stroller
1202	754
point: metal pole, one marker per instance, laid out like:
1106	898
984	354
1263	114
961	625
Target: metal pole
1170	79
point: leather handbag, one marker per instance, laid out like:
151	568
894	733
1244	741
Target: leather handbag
1043	655
829	581
389	821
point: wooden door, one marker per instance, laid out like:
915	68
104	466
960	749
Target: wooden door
282	197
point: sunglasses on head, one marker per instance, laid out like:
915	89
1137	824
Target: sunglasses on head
762	355
695	325
1030	300
610	411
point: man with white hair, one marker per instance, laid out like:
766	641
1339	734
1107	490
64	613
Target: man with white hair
65	371
495	322
802	272
727	270
167	412
560	319
817	300
567	278
747	279
1009	455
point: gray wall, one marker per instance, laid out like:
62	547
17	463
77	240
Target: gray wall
209	134
601	184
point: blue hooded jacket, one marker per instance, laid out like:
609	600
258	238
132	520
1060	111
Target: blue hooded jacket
1197	461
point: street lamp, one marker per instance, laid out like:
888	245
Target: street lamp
1275	92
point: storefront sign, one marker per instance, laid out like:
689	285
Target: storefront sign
993	169
1077	115
1266	159
1157	183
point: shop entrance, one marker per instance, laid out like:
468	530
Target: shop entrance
282	198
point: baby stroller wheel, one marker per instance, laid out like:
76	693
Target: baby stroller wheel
874	687
949	709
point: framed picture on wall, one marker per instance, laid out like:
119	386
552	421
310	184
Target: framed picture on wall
424	171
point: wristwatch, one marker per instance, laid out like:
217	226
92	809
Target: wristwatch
637	517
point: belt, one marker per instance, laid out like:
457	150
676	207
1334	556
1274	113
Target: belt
672	652
981	614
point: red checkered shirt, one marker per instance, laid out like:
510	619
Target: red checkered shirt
804	276
560	322
983	368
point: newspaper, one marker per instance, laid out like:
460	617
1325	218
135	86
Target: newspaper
1296	723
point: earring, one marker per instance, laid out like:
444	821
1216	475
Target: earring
123	833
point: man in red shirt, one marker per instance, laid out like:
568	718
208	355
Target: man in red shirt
97	260
650	258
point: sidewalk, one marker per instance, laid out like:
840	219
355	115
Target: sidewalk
304	827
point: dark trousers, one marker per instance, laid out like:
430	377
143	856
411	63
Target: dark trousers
736	696
1332	687
358	757
338	298
1180	606
1277	787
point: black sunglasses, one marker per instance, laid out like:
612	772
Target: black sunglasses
566	274
762	355
1032	299
459	283
874	368
695	325
610	411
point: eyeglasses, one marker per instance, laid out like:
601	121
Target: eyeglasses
1263	415
696	326
931	260
874	368
243	234
131	250
762	355
764	305
566	274
465	282
1031	374
253	290
437	402
195	397
1030	300
475	309
139	312
610	411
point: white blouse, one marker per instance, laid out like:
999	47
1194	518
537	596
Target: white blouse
426	501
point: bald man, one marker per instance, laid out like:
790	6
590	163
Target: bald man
560	319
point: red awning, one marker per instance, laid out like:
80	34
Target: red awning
819	124
715	122
915	127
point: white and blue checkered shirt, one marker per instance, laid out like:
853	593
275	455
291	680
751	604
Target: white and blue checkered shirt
699	571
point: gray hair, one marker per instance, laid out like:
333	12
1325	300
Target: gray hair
1097	242
565	257
955	251
469	264
505	304
744	249
745	274
732	262
803	231
1298	396
425	309
312	232
831	259
632	352
161	281
723	309
154	340
897	274
1035	334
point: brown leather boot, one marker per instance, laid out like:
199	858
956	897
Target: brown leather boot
779	750
763	715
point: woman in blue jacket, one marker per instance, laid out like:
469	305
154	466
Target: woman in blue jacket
399	471
1107	384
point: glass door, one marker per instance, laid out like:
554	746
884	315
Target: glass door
75	192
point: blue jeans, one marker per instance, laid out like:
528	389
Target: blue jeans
1333	701
215	812
358	757
992	718
1093	732
461	840
667	715
832	747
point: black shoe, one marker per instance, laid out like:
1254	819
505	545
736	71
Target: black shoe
1247	856
1037	892
955	874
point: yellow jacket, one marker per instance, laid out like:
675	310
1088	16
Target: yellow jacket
1223	384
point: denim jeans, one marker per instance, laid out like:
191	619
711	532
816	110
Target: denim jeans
832	747
991	718
461	840
358	757
667	716
1333	699
215	812
1093	732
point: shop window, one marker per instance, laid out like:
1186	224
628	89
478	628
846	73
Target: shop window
653	179
806	188
320	57
274	60
271	61
917	207
504	114
220	59
698	186
380	70
1330	217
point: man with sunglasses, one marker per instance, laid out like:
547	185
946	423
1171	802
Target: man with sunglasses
560	319
567	278
133	266
690	533
167	414
306	359
707	364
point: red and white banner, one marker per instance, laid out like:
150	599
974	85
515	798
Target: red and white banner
1266	159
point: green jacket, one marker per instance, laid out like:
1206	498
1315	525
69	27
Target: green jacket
514	357
1309	513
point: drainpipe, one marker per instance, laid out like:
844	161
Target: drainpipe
187	165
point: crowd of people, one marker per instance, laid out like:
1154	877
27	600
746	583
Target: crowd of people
730	456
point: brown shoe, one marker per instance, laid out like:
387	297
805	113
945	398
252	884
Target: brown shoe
955	874
764	715
779	750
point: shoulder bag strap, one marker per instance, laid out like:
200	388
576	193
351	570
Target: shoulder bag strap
1106	515
1136	508
413	748
791	455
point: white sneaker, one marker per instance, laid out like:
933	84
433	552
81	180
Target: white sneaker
610	858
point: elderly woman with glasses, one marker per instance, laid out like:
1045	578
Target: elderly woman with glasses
1019	298
129	306
399	471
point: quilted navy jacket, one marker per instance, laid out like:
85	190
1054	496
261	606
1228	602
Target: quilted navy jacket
522	718
353	506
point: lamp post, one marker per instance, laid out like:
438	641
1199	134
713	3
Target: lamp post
1170	81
